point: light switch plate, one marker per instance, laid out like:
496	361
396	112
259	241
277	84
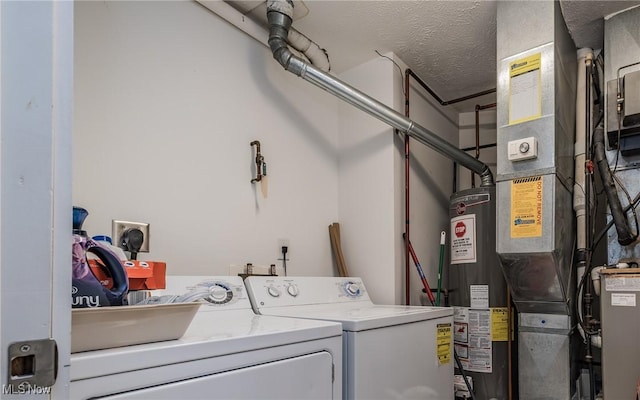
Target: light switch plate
522	149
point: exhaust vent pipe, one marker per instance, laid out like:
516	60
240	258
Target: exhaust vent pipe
279	14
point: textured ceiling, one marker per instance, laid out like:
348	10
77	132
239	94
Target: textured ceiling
451	45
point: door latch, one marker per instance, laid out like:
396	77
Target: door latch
32	364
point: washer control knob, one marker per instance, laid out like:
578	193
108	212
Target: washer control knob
218	293
273	291
293	290
352	289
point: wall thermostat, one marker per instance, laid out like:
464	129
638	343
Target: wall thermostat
523	149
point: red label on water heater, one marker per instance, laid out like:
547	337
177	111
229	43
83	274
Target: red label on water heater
460	229
463	239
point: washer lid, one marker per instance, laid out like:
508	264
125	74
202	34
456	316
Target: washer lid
362	316
211	334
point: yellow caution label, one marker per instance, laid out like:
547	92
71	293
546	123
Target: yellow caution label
526	207
499	324
443	343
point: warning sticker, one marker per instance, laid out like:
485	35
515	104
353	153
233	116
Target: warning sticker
480	357
623	299
460	325
462	351
460	314
525	89
463	239
618	283
479	296
444	343
460	389
461	333
479	321
499	324
526	207
473	338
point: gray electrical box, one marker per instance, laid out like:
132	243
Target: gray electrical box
620	306
631	111
622	47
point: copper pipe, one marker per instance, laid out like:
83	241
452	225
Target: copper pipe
448	102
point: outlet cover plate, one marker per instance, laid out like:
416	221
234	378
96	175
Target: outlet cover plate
118	228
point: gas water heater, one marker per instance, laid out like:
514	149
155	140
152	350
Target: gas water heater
478	293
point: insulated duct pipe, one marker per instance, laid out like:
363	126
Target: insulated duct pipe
279	14
625	237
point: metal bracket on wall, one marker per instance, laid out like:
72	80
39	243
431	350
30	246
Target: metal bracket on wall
261	166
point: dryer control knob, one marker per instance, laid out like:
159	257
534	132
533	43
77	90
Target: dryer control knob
293	290
273	291
353	289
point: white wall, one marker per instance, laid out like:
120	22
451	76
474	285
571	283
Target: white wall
372	185
367	192
431	184
167	99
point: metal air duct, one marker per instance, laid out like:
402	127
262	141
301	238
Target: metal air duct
536	235
279	14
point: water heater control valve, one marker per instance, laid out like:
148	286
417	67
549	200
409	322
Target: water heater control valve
523	149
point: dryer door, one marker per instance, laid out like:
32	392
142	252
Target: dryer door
303	377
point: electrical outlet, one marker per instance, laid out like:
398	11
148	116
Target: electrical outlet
119	227
283	243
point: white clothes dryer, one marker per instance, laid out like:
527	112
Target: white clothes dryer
389	351
228	352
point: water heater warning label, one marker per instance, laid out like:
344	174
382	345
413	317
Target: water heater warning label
463	239
526	207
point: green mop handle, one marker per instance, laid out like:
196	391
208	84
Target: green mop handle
443	236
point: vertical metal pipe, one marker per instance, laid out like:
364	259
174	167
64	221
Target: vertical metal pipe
588	170
477	137
407	281
473	176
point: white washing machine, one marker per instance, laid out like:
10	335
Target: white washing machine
228	352
389	352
